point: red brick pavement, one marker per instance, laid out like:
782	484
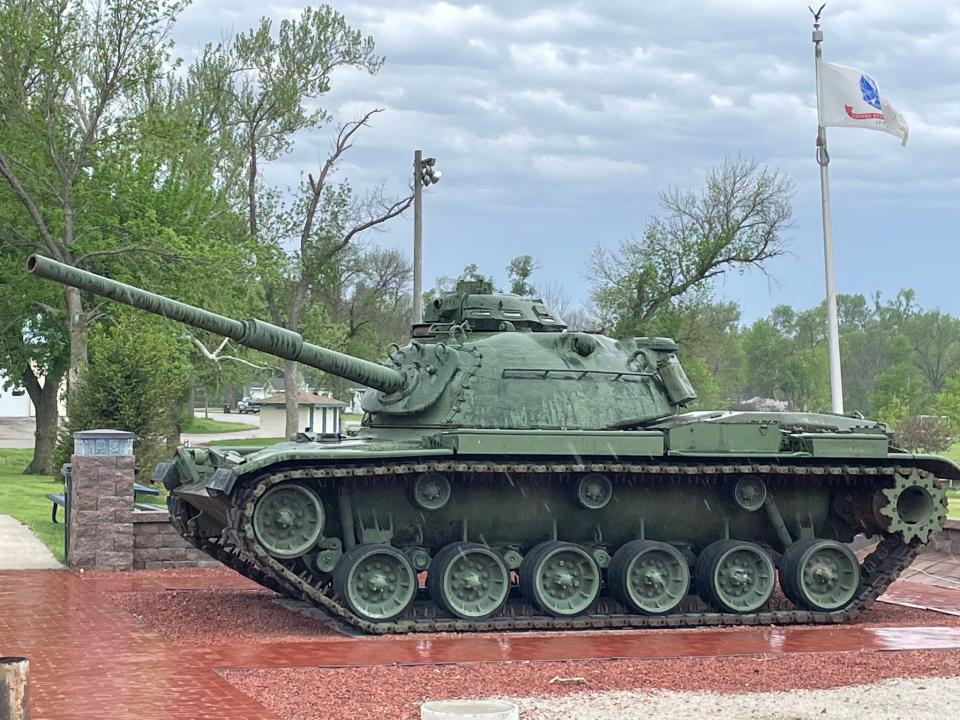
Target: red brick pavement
90	659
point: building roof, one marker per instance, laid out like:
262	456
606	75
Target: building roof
304	399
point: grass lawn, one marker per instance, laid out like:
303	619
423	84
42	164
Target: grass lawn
22	496
953	452
206	425
248	442
953	504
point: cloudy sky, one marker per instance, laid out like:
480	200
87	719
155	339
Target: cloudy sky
556	125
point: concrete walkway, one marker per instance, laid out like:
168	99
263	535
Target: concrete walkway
20	549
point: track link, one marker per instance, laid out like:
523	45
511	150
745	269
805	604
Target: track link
237	548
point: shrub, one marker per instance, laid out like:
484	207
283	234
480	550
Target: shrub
137	371
924	433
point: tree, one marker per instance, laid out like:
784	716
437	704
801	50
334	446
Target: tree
136	370
261	86
34	350
899	391
924	433
785	358
947	403
736	222
69	73
518	272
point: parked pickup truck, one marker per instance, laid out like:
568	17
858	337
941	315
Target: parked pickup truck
248	405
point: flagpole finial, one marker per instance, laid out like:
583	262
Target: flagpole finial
816	15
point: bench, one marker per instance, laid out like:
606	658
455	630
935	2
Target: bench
59	499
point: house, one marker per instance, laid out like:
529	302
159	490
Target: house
318	413
14	402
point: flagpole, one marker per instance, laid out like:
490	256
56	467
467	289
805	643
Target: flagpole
823	159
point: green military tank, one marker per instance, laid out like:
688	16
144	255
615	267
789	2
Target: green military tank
509	474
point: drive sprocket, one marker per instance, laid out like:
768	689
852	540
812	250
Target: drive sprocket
914	507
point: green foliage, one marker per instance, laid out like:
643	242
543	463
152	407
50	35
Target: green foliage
700	375
947	403
136	373
734	223
518	272
924	433
786	360
899	391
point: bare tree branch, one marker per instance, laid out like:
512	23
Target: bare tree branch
216	357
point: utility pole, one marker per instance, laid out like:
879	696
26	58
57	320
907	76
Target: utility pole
424	174
417	237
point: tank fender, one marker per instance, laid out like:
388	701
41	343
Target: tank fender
941	467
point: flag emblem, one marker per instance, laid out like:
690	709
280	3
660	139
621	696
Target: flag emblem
868	88
848	97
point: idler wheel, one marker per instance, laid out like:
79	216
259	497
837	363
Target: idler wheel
468	580
288	520
735	576
819	575
651	578
377	582
560	578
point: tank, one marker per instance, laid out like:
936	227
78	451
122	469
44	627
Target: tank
510	474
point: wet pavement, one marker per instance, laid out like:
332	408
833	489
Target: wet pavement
87	655
938	569
923	596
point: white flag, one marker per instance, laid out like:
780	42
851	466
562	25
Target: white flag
851	98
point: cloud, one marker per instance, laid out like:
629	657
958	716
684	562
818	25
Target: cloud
586	110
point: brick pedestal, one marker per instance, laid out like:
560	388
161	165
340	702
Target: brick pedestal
156	544
101	499
103	530
948	539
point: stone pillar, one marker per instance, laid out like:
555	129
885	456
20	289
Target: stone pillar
99	528
14	688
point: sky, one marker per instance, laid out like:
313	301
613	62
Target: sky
557	124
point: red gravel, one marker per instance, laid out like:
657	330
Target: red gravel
222	607
233	612
395	693
208	617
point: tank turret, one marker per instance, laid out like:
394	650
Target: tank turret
480	359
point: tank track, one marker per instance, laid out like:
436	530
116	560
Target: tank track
237	548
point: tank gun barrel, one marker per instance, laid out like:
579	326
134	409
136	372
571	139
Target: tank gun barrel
253	333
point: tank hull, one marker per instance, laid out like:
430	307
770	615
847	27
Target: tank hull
514	502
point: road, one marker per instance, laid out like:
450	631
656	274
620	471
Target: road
18	432
200	438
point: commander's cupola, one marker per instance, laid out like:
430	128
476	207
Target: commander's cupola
475	303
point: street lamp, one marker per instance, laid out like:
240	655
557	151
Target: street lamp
424	173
